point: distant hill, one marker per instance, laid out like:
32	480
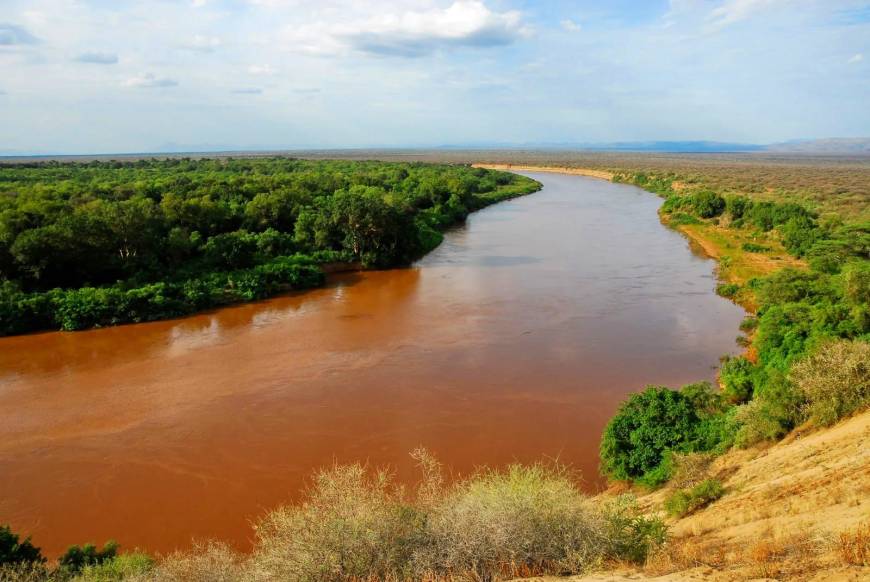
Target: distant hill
833	145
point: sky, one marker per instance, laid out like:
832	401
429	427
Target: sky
111	76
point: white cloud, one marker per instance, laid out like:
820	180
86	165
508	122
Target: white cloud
732	11
261	70
12	35
150	81
201	43
413	33
248	91
570	25
856	58
97	58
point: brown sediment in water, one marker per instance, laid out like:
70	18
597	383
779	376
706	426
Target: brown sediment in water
513	341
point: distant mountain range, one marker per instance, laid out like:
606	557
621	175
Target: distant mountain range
859	146
855	146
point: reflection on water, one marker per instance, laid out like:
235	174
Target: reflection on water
516	339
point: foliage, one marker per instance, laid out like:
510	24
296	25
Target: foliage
774	411
121	567
735	375
653	423
77	557
14	550
357	523
728	290
684	502
834	380
102	243
633	536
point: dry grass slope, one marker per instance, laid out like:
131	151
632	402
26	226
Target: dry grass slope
797	510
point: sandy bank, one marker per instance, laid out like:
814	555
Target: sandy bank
551	169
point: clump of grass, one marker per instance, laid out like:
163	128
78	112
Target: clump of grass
853	546
130	566
684	502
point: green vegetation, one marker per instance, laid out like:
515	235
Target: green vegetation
76	558
652	425
359	524
683	502
14	550
808	354
103	243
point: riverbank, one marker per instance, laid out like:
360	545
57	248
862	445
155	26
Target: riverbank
601	174
82	248
727	246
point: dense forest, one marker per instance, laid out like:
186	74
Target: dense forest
102	243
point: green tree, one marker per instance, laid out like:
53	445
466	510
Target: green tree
14	550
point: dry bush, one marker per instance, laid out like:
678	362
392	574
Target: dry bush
835	380
689	469
353	524
208	562
853	546
23	572
357	524
526	516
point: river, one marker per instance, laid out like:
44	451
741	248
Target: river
515	340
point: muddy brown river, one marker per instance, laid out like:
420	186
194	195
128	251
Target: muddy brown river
515	340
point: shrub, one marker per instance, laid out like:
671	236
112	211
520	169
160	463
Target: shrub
728	290
689	469
522	519
209	562
748	324
736	206
687	501
735	375
14	550
708	204
25	572
834	380
645	427
121	567
633	536
774	411
77	557
353	524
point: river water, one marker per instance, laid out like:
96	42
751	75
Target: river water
515	340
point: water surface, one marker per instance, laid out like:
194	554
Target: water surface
514	341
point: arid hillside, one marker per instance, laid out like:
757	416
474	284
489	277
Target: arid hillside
797	510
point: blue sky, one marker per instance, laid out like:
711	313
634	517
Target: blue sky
130	76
